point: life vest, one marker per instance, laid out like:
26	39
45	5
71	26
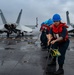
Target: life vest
44	27
58	30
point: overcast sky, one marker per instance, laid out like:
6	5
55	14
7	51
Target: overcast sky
43	9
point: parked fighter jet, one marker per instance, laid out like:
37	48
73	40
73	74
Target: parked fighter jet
10	28
70	25
35	28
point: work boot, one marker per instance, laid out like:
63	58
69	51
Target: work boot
59	72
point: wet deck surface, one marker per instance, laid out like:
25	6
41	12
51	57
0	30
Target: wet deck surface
25	57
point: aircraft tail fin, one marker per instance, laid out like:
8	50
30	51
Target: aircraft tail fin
19	16
36	21
2	17
67	16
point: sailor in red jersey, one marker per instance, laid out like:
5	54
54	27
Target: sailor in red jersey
59	41
45	27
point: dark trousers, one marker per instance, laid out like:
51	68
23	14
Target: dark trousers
62	47
43	38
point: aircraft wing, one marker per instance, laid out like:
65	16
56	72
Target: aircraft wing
24	28
70	29
31	26
2	27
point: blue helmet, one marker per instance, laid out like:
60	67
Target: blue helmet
46	22
42	23
56	17
49	22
